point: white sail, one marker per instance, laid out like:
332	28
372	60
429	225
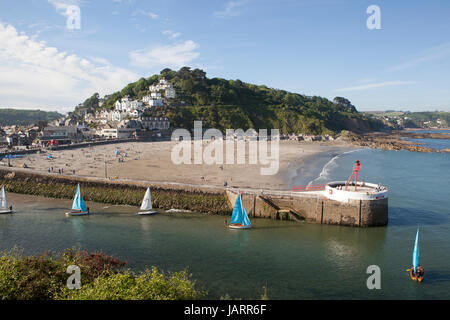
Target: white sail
3	201
147	201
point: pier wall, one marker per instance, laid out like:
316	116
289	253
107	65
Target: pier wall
310	207
313	208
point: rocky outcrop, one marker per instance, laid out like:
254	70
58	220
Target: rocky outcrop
384	141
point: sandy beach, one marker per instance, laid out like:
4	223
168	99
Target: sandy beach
151	161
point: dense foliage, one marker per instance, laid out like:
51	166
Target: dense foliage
420	117
44	278
223	104
26	117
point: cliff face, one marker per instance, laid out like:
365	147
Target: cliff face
358	125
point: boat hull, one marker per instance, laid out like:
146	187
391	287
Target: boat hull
238	226
77	213
147	213
7	211
417	277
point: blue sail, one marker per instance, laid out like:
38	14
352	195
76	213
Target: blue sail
415	256
239	215
78	202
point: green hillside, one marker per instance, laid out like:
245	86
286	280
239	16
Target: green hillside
223	104
26	117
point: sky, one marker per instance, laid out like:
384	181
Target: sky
313	47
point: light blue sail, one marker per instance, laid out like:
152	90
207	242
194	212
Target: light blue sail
78	201
415	256
239	214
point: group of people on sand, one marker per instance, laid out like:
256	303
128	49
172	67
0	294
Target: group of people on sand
60	171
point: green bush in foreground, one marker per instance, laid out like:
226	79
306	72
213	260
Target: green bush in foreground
150	285
44	277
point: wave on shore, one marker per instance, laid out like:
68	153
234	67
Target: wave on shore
329	167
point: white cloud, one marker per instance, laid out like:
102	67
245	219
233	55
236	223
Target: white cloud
232	9
33	74
172	56
62	5
146	13
431	54
171	34
375	85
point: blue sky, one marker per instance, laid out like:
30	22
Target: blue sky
313	47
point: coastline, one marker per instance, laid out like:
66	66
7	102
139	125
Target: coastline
151	162
396	140
177	191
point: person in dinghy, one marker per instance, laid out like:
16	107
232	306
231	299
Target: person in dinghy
146	206
239	218
79	206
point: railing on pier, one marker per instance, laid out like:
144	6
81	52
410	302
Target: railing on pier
313	187
276	193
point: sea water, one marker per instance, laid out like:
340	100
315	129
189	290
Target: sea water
293	260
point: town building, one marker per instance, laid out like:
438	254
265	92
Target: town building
166	86
155	123
118	133
63	134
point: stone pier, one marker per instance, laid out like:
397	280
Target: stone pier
312	207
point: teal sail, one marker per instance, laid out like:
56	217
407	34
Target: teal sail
415	256
239	214
78	202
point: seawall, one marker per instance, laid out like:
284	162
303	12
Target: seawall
310	207
114	192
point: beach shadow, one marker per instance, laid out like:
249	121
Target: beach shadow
412	217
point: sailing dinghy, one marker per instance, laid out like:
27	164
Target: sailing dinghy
79	207
416	273
239	219
146	207
4	207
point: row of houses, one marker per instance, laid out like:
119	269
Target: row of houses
127	119
124	129
128	109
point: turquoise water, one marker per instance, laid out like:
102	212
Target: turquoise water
437	144
295	260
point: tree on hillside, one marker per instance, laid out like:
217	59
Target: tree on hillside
344	105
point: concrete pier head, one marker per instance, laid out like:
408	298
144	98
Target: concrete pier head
314	207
